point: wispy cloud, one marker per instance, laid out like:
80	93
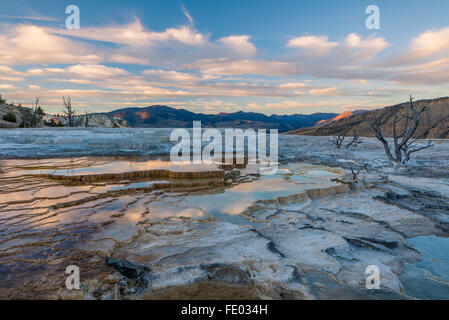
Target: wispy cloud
187	14
30	18
353	47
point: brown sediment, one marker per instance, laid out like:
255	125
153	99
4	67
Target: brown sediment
204	290
144	174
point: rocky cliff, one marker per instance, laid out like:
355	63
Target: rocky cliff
94	120
10	109
99	120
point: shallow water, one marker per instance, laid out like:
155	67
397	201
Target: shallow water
293	179
428	278
47	143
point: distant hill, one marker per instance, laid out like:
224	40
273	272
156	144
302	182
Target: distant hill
357	123
166	117
344	115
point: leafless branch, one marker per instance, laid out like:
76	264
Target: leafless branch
355	174
68	111
354	142
86	118
339	139
405	143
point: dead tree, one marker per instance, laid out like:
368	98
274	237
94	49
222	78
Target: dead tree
405	142
339	139
354	142
37	113
445	133
86	118
413	145
32	117
25	114
352	182
355	174
68	111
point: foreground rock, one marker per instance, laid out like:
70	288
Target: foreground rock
307	233
312	245
298	252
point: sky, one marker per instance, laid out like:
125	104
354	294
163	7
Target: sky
210	56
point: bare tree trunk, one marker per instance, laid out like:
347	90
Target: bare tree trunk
405	142
32	117
86	118
354	142
35	117
68	111
339	139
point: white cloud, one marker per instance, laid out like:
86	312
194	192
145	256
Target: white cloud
227	67
429	43
239	45
96	71
353	48
90	71
314	45
292	85
10	71
363	49
8	74
171	75
29	44
44	71
325	91
135	35
6	86
188	64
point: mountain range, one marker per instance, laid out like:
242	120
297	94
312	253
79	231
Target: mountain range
166	117
317	124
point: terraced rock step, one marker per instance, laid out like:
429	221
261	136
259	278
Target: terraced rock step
132	170
54	212
299	234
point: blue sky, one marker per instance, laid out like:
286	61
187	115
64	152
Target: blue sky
222	56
